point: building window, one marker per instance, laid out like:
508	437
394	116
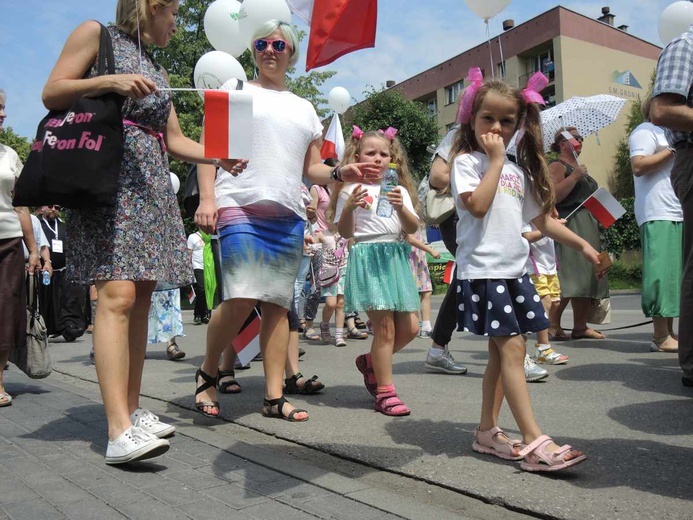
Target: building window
453	92
432	107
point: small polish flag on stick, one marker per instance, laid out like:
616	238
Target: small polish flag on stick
333	144
603	206
191	295
448	274
228	124
247	343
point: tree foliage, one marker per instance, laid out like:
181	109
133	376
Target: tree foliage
621	178
417	128
186	47
19	144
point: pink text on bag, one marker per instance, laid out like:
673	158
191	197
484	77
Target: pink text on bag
85	141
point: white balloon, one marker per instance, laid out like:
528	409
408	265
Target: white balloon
175	181
339	99
221	27
487	8
253	13
675	20
215	68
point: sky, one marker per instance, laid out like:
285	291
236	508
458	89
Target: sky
411	38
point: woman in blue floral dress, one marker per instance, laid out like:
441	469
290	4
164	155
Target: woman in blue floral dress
127	249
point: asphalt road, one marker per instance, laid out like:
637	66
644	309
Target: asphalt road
617	401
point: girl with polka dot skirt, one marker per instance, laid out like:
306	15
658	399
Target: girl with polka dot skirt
493	197
379	280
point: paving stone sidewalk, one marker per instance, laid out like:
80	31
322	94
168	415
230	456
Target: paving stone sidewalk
52	443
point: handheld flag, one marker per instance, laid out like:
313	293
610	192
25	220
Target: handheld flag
247	343
339	27
228	124
448	274
333	144
604	207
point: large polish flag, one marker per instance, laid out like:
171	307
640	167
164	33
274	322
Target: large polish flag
247	343
333	144
228	124
337	27
604	207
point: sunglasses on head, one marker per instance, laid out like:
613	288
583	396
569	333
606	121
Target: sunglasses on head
278	46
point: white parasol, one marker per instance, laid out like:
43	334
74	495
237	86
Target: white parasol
587	114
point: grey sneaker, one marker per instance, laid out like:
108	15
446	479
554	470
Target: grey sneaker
150	423
533	372
134	444
444	363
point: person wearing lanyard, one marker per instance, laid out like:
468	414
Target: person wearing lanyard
61	303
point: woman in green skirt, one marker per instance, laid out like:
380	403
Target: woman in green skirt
579	282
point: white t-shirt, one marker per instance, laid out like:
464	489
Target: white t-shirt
39	236
196	245
654	197
10	168
284	125
445	146
492	247
542	254
369	227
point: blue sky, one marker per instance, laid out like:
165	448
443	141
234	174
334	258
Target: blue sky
411	37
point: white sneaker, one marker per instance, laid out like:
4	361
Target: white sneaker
150	423
134	444
534	372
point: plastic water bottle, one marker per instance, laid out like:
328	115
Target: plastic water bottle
388	183
45	278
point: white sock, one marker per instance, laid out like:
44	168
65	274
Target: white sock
426	325
543	347
338	333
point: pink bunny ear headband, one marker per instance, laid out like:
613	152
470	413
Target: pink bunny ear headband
531	94
389	133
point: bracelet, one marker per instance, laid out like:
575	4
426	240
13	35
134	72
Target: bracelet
672	150
47	262
335	174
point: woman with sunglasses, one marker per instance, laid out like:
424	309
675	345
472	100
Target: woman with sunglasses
259	216
579	283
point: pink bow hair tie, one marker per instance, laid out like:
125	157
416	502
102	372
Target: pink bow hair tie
390	133
357	133
475	79
537	82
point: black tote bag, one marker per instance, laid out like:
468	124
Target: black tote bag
76	157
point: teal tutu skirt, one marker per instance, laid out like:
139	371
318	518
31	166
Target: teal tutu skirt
379	278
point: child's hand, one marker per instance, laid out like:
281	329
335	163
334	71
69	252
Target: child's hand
356	199
494	146
395	198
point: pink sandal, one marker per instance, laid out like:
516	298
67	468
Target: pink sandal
389	403
537	459
496	442
365	366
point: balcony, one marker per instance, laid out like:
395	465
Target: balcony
548	71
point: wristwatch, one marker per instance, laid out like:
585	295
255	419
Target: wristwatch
216	164
672	150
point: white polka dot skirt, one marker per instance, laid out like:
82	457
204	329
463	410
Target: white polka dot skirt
502	307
